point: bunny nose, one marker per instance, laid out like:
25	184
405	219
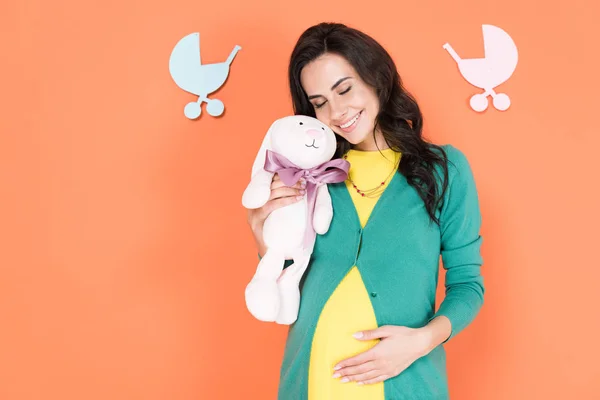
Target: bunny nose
314	133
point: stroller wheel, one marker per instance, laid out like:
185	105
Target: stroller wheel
215	107
192	110
479	102
501	101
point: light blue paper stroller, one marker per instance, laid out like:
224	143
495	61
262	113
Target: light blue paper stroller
188	72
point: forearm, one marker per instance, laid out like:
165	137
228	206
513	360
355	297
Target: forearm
463	299
260	245
436	332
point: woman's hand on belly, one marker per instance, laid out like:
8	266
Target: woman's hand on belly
398	348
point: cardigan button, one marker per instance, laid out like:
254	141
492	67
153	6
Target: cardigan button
373	294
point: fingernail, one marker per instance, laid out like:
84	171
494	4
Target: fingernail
299	197
358	335
336	375
344	380
359	383
336	367
302	191
303	183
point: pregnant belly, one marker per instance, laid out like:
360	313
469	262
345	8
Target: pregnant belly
347	311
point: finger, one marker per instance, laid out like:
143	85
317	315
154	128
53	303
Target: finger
379	333
377	379
355	370
285	192
366	376
362	358
281	184
275	204
277	183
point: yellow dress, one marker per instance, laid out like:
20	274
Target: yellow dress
349	308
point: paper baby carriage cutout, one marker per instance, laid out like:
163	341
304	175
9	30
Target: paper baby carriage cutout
486	73
188	72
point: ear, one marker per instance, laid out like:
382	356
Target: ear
259	162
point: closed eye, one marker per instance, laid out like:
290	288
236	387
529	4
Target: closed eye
341	94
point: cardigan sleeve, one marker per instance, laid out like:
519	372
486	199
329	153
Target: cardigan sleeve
460	223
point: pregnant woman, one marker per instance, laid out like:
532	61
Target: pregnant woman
367	327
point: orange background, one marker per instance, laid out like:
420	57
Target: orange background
124	251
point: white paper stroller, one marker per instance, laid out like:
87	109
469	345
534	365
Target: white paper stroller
500	61
188	72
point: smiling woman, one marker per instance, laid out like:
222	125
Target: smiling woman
367	326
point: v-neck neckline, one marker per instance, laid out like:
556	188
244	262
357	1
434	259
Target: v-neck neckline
347	199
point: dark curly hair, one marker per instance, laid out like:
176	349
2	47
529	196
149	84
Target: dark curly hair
399	118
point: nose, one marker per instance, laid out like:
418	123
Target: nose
314	133
337	110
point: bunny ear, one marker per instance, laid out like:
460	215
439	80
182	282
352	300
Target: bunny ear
259	162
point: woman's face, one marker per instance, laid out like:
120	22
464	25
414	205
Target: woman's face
342	100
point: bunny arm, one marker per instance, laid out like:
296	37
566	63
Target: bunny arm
259	190
323	210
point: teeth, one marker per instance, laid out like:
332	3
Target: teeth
353	120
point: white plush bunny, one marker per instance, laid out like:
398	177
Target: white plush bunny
294	147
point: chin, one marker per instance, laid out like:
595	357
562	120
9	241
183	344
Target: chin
356	138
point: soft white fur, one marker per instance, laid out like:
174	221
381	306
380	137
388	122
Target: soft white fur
272	295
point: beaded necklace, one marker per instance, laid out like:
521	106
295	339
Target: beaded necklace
378	190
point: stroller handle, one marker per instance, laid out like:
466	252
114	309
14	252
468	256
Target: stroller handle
452	52
232	55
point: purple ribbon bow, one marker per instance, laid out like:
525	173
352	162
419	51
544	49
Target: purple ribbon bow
332	171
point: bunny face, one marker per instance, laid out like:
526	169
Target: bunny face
303	140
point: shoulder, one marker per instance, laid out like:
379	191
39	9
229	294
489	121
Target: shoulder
457	162
456	157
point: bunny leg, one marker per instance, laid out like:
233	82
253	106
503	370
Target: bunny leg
262	294
289	291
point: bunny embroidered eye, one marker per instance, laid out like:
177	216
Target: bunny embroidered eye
301	123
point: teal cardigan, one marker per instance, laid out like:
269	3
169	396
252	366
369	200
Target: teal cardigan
398	254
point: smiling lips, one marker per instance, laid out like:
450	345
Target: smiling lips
349	126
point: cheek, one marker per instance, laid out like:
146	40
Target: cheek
374	102
322	115
371	104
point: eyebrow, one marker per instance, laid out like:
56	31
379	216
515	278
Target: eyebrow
332	88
